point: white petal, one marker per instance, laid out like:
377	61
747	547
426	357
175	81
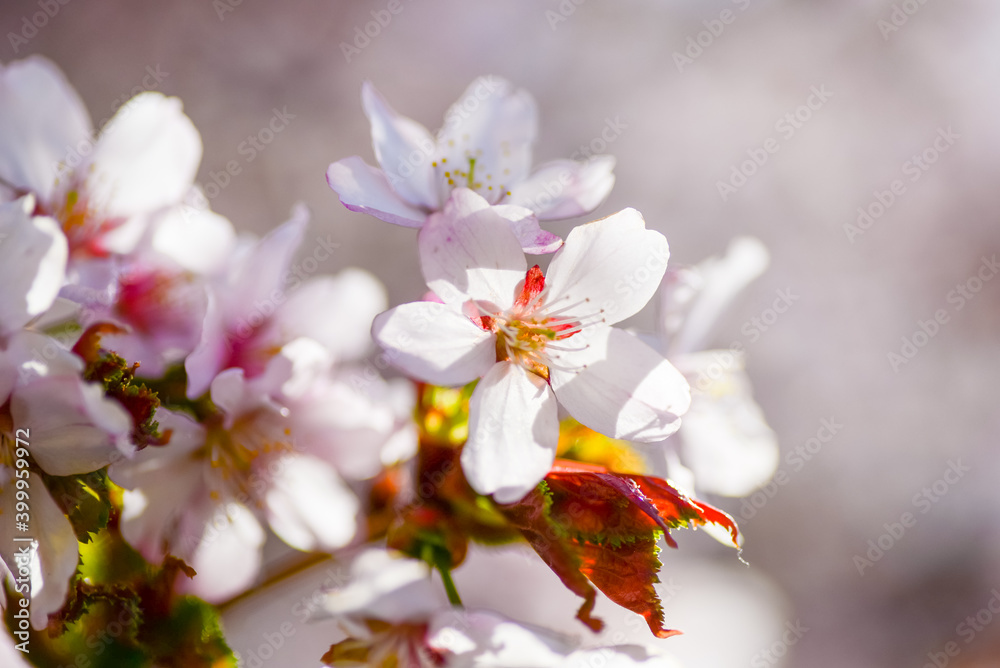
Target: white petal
693	299
623	388
403	148
524	223
224	547
566	188
337	311
33	255
255	284
468	251
55	560
364	189
75	428
435	343
145	158
497	126
308	505
45	125
213	348
513	433
198	240
612	266
725	437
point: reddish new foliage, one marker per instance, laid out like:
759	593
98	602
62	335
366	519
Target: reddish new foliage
599	529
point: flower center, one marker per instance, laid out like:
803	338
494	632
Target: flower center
453	175
531	332
238	454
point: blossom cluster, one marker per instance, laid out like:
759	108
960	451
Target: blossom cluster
172	393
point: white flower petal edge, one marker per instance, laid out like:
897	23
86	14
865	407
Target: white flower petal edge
623	388
365	189
43	121
513	433
435	343
403	149
614	265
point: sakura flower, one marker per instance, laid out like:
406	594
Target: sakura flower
159	297
102	190
207	494
485	145
144	159
536	341
49	416
725	443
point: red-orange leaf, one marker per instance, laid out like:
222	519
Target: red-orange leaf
585	521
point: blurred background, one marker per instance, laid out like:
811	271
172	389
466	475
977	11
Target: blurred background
879	206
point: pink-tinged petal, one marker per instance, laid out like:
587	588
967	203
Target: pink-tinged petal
196	239
566	188
214	345
611	266
693	299
54	561
483	638
725	438
619	386
336	311
33	256
434	343
496	125
46	126
534	240
308	505
256	283
222	542
365	189
468	251
404	149
235	396
74	427
145	158
513	433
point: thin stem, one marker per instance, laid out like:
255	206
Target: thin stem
449	585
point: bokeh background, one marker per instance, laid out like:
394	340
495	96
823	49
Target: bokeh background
899	73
